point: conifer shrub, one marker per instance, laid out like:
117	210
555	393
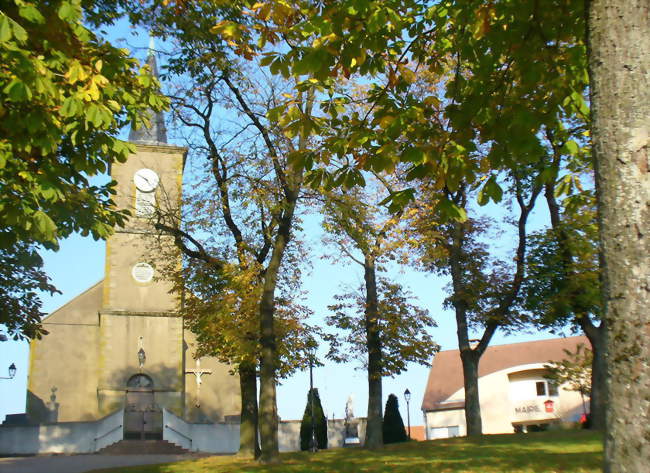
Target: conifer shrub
393	426
320	422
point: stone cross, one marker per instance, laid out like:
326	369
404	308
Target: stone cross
197	371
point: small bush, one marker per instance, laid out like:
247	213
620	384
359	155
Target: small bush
319	420
393	426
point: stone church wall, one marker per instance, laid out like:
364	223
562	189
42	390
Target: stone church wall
63	364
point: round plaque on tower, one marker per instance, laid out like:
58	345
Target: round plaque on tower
142	272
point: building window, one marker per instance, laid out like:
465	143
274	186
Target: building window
546	388
444	432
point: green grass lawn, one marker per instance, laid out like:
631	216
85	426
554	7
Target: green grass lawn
555	451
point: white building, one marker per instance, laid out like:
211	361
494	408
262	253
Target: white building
514	394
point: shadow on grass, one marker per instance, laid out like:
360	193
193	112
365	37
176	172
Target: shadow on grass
570	452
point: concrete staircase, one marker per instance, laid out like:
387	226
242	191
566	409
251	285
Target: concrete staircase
143	447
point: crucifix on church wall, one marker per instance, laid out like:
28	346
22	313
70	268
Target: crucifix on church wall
197	371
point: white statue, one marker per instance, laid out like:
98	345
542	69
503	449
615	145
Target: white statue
351	428
349	412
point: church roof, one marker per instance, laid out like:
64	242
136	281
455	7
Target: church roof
446	375
157	134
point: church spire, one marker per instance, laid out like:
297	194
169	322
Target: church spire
157	133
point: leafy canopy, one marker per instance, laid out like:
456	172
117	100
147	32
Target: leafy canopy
21	279
401	325
504	72
64	96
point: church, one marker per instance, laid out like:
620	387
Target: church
117	362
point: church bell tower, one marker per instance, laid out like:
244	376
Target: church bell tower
148	182
141	339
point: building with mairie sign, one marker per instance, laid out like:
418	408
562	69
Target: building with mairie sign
514	394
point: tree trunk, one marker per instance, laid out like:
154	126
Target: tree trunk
472	403
468	358
248	435
619	65
597	401
268	420
269	354
596	336
374	431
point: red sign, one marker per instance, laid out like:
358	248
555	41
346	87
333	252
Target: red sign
548	405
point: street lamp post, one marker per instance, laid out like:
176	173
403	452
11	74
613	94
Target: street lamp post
313	444
12	372
407	396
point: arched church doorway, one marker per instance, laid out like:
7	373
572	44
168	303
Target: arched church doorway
142	416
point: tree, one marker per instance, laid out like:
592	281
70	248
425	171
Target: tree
483	290
208	37
222	309
245	204
385	331
393	426
573	372
563	285
620	99
320	423
64	96
21	278
473	120
351	38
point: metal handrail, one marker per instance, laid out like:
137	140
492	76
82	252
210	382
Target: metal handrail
167	426
105	434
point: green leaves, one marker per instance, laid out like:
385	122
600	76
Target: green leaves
574	371
45	228
69	11
491	190
59	112
398	200
10	28
31	13
21	268
449	210
17	91
570	147
71	106
402	327
5	28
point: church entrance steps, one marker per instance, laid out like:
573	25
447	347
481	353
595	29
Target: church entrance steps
142	447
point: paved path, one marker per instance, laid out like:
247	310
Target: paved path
82	463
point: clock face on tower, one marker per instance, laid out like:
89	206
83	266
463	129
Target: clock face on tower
146	180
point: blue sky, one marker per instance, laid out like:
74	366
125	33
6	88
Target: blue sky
80	263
